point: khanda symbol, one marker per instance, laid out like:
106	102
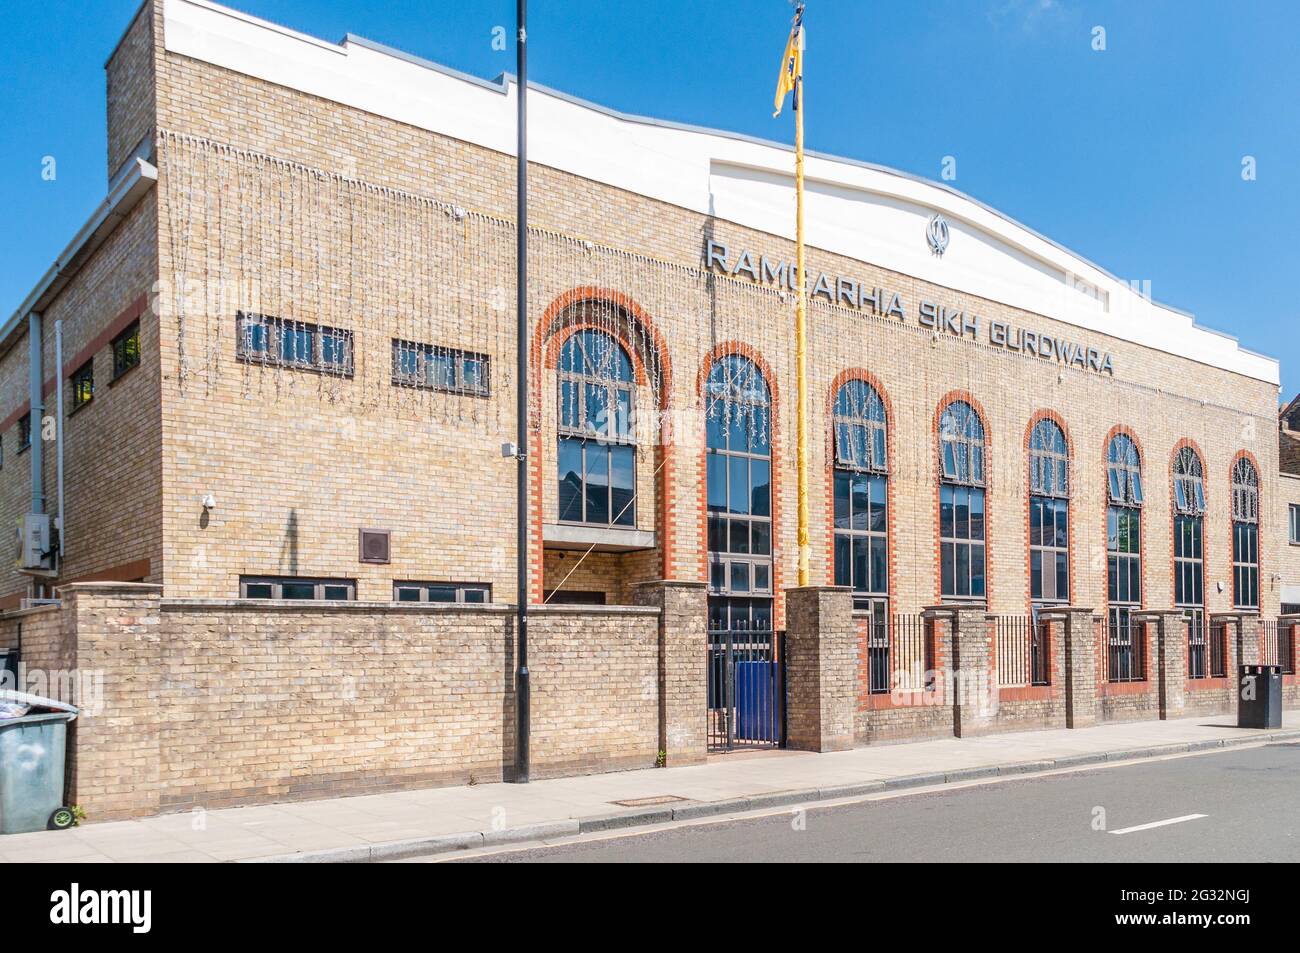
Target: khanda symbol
936	233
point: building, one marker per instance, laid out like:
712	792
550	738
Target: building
1288	516
287	368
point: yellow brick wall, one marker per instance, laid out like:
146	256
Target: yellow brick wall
1288	563
212	703
299	463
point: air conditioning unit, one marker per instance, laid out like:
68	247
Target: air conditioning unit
37	545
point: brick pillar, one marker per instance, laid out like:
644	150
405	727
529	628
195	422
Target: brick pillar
114	750
820	668
1078	665
1249	639
683	671
968	681
1171	658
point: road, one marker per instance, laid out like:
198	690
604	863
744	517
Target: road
1249	799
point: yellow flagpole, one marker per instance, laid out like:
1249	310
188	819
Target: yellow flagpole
801	330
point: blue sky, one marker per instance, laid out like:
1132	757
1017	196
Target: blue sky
1131	156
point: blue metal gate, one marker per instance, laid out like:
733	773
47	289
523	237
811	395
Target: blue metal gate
746	689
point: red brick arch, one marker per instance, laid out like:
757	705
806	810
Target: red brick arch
544	349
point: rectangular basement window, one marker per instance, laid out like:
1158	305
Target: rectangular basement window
293	587
431	367
280	342
441	592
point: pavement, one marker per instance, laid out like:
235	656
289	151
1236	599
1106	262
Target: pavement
430	821
1238	804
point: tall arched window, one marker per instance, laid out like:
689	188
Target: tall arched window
1245	534
961	502
739	478
597	450
1123	557
1189	557
1049	514
860	490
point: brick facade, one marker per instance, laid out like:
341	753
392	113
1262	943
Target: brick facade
313	211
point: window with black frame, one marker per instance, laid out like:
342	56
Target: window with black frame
739	494
962	516
282	342
861	494
1049	514
1245	534
297	587
433	367
1125	662
861	514
596	445
126	350
83	385
1189	559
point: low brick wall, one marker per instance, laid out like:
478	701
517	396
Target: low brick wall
595	688
212	703
906	716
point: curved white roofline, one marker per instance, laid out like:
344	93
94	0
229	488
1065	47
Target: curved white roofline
857	209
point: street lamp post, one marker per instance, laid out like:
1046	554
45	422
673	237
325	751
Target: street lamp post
522	700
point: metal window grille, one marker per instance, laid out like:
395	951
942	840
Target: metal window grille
1270	647
1125	642
912	644
432	367
279	342
1022	651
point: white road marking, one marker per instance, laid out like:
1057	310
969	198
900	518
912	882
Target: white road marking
1166	823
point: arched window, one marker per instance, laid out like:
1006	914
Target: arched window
1189	560
1189	483
860	489
1123	471
597	450
1245	534
1123	559
961	502
739	492
1049	513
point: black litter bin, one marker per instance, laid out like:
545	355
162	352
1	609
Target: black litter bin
1259	696
8	669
